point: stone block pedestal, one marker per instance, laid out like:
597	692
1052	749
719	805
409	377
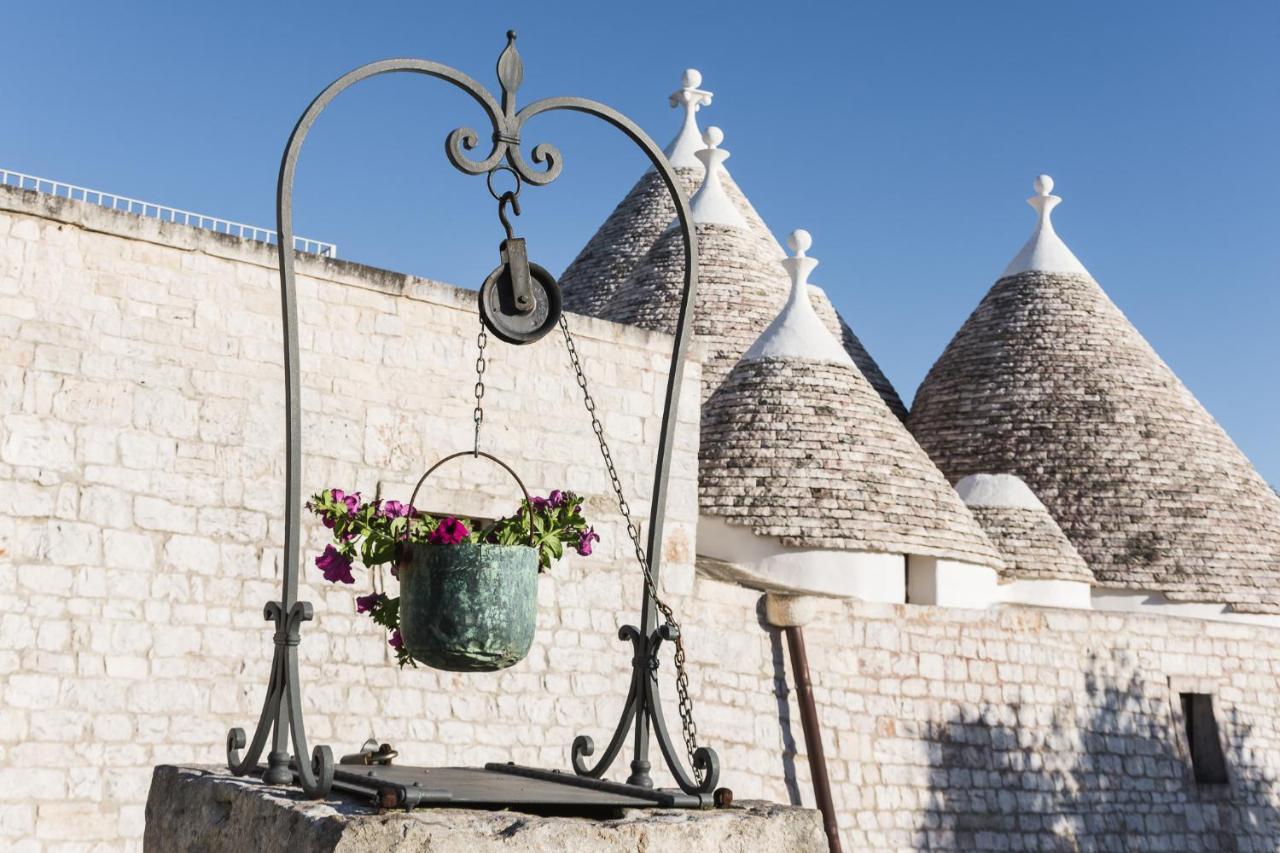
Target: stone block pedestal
208	809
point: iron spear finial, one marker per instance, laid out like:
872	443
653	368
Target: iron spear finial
510	73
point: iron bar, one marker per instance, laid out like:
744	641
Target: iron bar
813	736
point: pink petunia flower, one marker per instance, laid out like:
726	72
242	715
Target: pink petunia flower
336	567
449	532
395	509
584	541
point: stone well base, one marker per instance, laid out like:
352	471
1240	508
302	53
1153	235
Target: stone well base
209	810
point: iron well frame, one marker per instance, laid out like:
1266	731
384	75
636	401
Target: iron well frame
281	718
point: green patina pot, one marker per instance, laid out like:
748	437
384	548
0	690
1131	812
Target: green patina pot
469	608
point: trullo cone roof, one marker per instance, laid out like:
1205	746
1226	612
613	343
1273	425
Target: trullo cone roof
1018	524
1048	380
632	269
797	446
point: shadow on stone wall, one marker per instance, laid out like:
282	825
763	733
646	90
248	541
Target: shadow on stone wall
1111	774
782	693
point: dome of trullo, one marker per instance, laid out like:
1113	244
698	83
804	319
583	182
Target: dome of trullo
632	269
1031	543
797	446
1047	379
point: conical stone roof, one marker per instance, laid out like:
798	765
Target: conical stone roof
635	261
796	445
640	218
741	288
1047	379
1018	524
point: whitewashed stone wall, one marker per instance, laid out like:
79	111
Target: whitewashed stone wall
141	454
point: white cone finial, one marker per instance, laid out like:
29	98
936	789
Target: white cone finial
797	332
683	149
799	242
1045	251
711	204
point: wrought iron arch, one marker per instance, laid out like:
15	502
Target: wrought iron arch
282	708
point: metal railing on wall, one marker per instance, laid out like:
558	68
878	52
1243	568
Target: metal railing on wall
160	211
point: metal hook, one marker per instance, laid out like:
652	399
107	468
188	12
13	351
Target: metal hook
508	196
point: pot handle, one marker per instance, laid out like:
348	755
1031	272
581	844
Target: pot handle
527	502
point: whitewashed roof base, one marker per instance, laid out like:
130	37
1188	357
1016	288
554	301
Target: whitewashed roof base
797	332
997	490
1045	251
711	204
682	152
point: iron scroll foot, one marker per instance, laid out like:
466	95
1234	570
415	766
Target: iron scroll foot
282	716
644	709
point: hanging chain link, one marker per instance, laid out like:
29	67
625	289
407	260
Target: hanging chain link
478	414
688	727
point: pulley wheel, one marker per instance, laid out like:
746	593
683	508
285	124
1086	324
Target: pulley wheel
501	316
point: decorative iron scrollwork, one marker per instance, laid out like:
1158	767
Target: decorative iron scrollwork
507	124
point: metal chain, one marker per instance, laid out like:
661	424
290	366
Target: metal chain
688	727
478	414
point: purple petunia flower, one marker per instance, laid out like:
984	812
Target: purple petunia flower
335	566
396	642
555	499
449	532
366	603
585	539
539	503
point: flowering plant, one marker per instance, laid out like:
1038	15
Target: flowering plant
370	531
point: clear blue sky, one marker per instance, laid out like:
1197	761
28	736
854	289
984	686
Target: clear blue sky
904	136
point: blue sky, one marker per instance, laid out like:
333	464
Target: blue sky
904	136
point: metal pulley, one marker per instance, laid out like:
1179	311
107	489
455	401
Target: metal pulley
519	301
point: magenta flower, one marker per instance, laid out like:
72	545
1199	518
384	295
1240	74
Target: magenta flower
555	499
585	539
335	566
395	509
396	642
366	603
539	503
449	532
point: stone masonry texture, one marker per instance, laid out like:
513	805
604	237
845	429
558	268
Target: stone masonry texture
141	487
805	452
1047	379
1032	544
208	810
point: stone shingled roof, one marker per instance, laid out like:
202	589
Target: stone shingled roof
807	452
1047	379
1018	524
633	258
592	278
741	288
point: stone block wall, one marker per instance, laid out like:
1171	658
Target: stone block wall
141	478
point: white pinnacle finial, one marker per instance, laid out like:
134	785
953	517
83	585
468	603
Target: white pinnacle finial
683	149
797	332
1045	251
799	242
711	204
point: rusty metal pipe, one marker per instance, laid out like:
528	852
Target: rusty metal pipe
812	735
